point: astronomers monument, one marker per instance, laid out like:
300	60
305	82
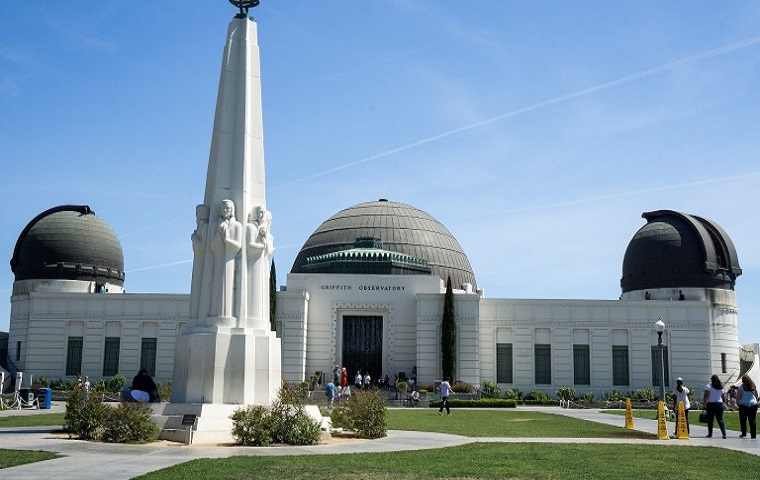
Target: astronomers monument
227	356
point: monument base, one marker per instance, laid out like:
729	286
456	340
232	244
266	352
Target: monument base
227	366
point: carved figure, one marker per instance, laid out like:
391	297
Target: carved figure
199	239
259	244
225	245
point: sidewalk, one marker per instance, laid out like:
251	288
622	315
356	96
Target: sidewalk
90	461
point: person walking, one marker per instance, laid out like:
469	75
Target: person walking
681	395
358	380
746	398
445	392
713	400
330	394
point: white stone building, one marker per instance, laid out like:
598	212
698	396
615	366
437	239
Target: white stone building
366	292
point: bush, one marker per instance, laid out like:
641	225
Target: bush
427	386
587	397
402	387
538	396
165	391
490	390
512	394
251	426
129	423
462	387
286	421
365	414
116	383
482	403
613	396
40	382
84	418
566	393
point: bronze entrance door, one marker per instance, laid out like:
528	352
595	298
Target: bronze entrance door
363	346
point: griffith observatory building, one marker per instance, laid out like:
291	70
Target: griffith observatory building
366	291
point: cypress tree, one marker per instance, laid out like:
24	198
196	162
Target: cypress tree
448	334
272	296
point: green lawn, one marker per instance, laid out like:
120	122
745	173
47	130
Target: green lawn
508	422
481	460
39	420
731	419
12	458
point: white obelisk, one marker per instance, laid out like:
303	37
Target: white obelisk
227	354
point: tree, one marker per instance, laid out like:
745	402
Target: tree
448	334
272	296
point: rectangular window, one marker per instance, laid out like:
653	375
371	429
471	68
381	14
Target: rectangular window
723	363
543	363
581	365
148	355
18	351
74	356
111	356
504	363
656	366
620	365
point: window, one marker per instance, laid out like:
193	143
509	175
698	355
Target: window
18	351
723	363
74	356
620	365
111	356
656	366
504	363
148	355
581	365
543	361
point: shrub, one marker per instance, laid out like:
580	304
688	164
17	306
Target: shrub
462	387
251	426
587	397
165	391
481	403
129	423
538	396
40	382
490	390
427	386
84	418
286	421
512	394
365	414
116	383
613	396
402	387
645	395
566	393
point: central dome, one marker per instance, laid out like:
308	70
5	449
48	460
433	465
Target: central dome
401	228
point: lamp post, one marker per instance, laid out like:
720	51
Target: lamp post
659	327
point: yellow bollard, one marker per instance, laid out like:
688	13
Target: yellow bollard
628	414
682	432
662	427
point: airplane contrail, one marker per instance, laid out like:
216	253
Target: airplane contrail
553	101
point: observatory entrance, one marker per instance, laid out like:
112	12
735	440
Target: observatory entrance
363	345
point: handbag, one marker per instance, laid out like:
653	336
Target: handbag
703	417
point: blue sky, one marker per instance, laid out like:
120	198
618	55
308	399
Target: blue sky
537	132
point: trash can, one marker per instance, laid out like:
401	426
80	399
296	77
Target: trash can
26	395
44	397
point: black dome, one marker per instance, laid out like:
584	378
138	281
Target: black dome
401	228
677	250
68	242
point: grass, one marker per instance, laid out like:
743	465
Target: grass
731	419
479	460
505	423
40	420
13	458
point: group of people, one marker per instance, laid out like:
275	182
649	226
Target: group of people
715	401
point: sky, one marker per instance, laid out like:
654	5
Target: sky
536	132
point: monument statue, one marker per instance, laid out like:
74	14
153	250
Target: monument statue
199	239
227	242
260	245
244	5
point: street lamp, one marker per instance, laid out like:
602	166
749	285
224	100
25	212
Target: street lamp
659	327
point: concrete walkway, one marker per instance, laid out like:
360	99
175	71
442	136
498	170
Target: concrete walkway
88	460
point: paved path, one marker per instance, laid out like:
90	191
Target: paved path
88	460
